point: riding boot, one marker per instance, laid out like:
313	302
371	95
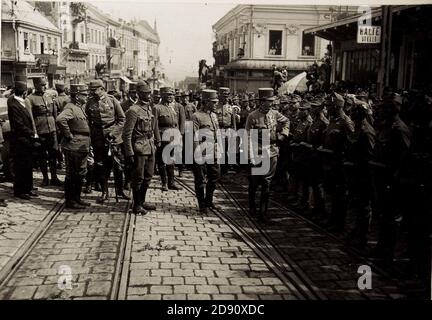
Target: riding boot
70	195
105	195
171	182
209	196
163	175
201	199
53	171
89	180
264	205
137	199
79	185
144	204
44	170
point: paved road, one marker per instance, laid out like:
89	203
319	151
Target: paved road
174	252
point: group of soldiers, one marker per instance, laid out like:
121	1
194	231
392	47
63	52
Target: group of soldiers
333	152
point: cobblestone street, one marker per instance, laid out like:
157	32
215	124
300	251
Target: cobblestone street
172	253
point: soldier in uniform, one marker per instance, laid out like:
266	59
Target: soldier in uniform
44	113
60	101
23	139
278	125
189	110
106	120
131	97
141	136
227	120
244	112
206	119
72	122
359	152
332	151
391	151
169	115
300	152
314	140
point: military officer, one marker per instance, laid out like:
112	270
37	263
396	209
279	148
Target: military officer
131	97
189	110
392	146
299	153
170	115
106	119
72	123
359	152
227	120
278	125
314	140
332	152
44	113
141	136
206	119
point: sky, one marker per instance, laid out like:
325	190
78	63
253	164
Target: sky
185	30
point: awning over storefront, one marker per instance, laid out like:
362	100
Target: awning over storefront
265	64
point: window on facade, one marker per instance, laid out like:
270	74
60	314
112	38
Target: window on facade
33	43
26	41
55	44
82	34
308	45
42	44
48	43
275	42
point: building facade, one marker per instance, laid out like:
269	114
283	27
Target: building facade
251	39
400	60
29	44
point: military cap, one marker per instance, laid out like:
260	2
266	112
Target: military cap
305	105
317	103
166	90
184	93
361	104
338	100
224	91
209	95
20	86
78	88
296	98
60	86
132	86
245	98
361	94
266	94
284	99
94	84
156	92
178	92
39	81
142	86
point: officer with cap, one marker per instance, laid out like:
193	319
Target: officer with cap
205	119
227	120
23	140
332	152
44	113
73	125
62	98
60	101
131	97
106	119
141	137
170	115
177	95
392	146
278	125
359	152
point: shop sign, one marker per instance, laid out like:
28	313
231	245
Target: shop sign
368	34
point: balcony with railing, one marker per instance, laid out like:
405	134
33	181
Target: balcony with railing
79	48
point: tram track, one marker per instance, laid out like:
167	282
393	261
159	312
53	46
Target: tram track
264	247
7	272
